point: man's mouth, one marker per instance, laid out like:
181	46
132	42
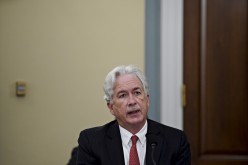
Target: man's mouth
133	112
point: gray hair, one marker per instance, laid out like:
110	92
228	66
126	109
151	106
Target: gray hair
110	79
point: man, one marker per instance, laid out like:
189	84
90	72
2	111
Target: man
126	93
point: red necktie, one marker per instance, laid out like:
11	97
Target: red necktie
134	158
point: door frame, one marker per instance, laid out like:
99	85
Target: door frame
164	60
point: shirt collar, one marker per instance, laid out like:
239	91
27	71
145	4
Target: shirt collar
126	135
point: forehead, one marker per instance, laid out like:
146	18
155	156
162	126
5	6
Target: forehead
127	81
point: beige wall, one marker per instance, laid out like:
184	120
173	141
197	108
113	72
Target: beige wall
63	50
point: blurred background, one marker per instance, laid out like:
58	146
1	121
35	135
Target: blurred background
62	50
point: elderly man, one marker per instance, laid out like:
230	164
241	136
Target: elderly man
132	138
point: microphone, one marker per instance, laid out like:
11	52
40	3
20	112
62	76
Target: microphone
153	145
151	140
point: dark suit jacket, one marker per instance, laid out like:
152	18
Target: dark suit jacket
103	146
73	158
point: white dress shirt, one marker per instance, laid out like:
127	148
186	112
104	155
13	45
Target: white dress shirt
127	143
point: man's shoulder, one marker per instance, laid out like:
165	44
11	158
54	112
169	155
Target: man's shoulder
171	135
162	128
99	130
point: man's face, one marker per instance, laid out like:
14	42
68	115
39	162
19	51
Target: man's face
129	102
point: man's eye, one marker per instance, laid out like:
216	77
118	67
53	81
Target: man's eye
122	95
137	93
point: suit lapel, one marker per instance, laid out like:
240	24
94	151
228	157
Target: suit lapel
114	145
153	137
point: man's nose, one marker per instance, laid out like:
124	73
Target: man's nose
131	100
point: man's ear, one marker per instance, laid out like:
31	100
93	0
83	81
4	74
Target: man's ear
110	107
148	100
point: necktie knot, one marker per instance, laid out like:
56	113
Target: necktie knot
134	139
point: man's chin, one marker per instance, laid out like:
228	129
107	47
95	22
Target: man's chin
136	120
